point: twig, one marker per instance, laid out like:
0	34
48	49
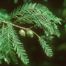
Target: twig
23	28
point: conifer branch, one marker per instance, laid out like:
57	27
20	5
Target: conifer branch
29	13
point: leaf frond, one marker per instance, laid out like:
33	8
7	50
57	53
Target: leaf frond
46	48
40	16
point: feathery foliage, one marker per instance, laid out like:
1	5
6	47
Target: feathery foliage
41	17
38	15
10	43
29	13
47	49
